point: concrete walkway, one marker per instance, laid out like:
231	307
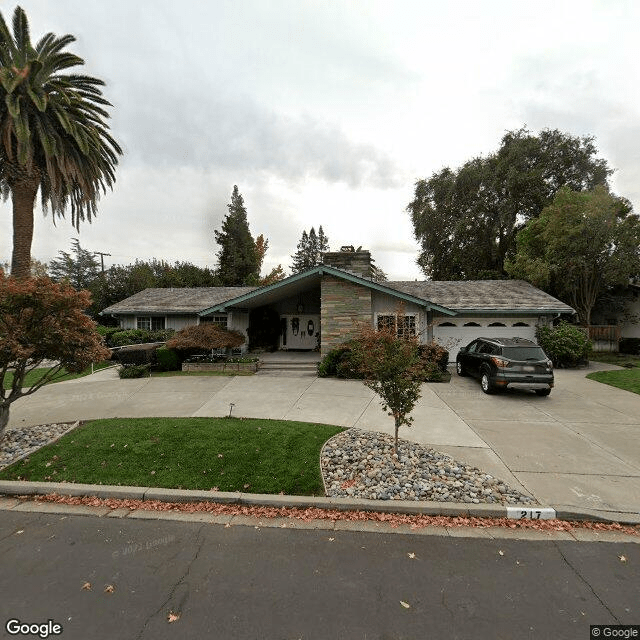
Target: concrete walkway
578	448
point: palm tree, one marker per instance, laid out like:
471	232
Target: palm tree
53	134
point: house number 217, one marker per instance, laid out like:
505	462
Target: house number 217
521	513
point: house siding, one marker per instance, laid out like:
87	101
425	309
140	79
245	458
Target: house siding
344	305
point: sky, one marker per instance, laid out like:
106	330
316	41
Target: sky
327	112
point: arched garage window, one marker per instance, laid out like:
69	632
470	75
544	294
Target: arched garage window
447	324
497	324
471	324
520	324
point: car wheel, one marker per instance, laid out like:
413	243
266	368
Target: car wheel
460	369
485	383
543	392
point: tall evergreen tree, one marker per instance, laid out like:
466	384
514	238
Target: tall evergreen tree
78	268
310	249
238	261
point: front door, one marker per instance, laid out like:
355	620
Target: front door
300	331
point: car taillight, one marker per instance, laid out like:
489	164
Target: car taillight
499	362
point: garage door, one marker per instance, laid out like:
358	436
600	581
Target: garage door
454	337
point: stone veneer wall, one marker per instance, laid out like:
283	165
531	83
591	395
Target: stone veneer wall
358	262
344	305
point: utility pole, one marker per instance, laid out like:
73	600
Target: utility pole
102	255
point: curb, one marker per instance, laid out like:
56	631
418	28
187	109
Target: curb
20	488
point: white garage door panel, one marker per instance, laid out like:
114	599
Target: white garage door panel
452	338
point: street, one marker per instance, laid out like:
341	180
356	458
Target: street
125	578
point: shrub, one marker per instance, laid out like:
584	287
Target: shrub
630	346
434	353
136	355
139	336
566	344
345	362
167	359
107	333
135	371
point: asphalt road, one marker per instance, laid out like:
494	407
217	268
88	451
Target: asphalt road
265	583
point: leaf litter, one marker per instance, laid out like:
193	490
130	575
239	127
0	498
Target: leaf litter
414	521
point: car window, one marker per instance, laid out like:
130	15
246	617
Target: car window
524	353
472	348
487	348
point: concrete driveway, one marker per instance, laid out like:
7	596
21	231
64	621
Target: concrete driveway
580	447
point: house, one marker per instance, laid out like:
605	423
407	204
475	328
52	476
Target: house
322	307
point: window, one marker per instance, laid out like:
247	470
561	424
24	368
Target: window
471	324
447	324
220	320
520	324
404	326
150	323
497	324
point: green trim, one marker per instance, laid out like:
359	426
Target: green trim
513	312
338	273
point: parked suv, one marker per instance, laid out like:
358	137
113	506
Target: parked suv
506	362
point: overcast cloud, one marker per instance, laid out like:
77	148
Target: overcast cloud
327	112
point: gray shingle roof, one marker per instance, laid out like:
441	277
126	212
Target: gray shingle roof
184	300
482	294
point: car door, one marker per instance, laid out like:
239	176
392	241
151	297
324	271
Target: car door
471	358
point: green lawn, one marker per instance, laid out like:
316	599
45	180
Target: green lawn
232	454
33	376
627	379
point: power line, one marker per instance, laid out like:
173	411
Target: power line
102	254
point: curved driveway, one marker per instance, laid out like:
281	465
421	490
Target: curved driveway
580	447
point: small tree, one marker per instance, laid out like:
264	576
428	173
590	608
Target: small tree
391	368
78	268
41	320
310	249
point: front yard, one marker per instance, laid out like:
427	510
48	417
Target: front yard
34	376
627	379
224	454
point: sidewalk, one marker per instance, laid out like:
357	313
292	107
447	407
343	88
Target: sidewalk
578	449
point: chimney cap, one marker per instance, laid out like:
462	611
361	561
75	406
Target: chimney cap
348	247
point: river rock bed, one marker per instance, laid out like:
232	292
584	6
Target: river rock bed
21	441
361	464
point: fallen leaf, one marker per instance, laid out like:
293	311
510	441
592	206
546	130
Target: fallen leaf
411	555
19	532
246	486
227	525
86	586
172	617
405	604
215	489
331	539
220	455
501	552
109	588
622	558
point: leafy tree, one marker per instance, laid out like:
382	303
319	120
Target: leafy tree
466	220
122	281
238	261
581	245
275	275
377	274
391	367
38	268
79	270
310	249
54	134
41	320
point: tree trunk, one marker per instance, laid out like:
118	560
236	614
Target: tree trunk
395	445
4	418
23	196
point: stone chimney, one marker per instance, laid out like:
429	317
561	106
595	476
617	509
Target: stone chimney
355	261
